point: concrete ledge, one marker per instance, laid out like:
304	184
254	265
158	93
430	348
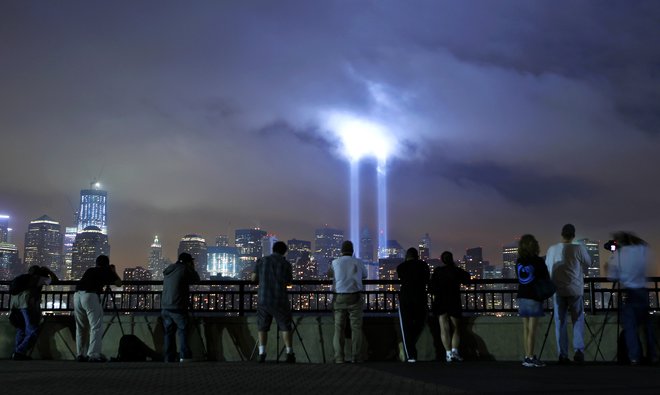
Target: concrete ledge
219	338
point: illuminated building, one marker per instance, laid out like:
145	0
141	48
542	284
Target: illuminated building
223	261
155	263
267	243
93	208
593	249
69	238
43	244
134	296
10	264
88	245
300	256
394	250
509	256
327	246
425	247
4	229
195	245
222	241
367	251
248	242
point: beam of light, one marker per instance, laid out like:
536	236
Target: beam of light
355	207
382	208
361	137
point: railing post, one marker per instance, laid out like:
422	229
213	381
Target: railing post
592	297
241	300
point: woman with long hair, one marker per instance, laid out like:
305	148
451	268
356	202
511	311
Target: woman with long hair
529	268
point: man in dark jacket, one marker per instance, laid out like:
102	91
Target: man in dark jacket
413	300
177	278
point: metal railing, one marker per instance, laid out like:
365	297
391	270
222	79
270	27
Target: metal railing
236	297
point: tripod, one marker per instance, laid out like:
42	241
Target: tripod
277	345
615	286
109	294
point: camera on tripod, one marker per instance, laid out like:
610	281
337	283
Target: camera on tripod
611	245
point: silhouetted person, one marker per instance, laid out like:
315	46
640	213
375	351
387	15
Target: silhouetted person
630	264
88	311
347	274
446	290
567	263
413	300
273	273
25	307
175	302
529	268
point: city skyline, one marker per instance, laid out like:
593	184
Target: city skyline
503	118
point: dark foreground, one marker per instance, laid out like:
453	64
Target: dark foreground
71	378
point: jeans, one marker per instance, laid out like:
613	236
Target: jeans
575	306
635	315
25	337
175	321
350	305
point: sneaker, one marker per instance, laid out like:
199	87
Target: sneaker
291	358
18	356
261	358
82	358
456	357
412	360
578	357
185	360
532	362
101	358
449	358
563	360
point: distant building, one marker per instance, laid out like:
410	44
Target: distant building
88	245
4	228
155	262
394	250
327	246
593	249
300	256
509	257
474	254
267	243
425	247
43	244
248	242
93	209
69	238
223	261
136	295
195	245
387	270
222	241
474	262
10	264
367	249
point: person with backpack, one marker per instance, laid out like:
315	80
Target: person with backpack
25	307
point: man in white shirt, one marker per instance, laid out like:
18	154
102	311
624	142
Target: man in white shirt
567	263
347	274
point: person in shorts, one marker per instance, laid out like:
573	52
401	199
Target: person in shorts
529	268
273	273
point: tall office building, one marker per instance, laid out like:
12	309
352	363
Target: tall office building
425	247
267	243
223	261
222	241
474	263
4	228
10	264
367	248
509	256
248	242
88	245
300	256
195	245
394	250
93	208
327	246
69	238
593	249
43	244
155	263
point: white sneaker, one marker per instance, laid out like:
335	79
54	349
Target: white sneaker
449	358
412	360
456	357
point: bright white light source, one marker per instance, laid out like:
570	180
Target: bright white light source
97	185
360	137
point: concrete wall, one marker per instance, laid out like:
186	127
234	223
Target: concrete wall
234	338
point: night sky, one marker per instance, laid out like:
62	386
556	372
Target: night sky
508	117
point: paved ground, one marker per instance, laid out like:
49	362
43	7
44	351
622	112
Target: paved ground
71	378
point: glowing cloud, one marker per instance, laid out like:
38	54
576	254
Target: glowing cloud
361	137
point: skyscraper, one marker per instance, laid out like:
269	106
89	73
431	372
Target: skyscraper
10	264
366	246
135	295
267	243
195	245
93	208
509	256
4	228
88	245
593	249
425	247
155	263
222	241
223	261
394	250
300	256
43	244
248	242
69	239
327	247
